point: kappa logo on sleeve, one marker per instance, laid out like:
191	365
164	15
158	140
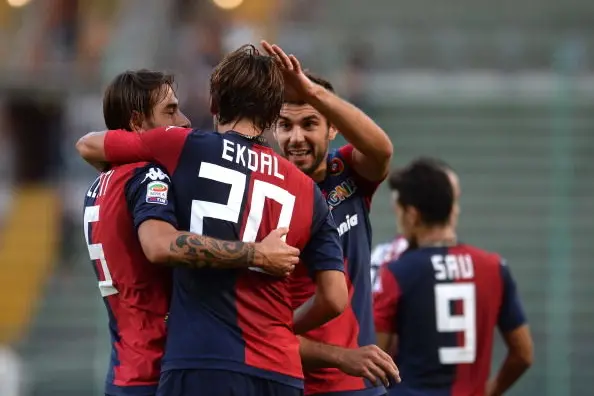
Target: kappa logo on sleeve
156	193
155	174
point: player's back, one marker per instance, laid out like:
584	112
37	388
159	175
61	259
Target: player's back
136	293
232	187
449	302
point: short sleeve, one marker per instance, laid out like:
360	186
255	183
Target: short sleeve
323	251
161	145
385	302
367	187
149	196
511	314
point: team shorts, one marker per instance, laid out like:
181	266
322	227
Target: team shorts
220	383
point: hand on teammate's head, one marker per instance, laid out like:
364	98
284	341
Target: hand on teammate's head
298	87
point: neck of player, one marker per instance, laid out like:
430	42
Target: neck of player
245	127
436	236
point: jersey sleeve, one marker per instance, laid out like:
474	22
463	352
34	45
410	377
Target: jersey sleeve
385	301
323	251
511	314
368	187
148	194
161	145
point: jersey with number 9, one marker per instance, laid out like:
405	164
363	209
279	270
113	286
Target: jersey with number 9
232	187
444	305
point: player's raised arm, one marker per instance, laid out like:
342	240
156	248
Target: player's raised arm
516	334
323	255
373	149
161	145
149	196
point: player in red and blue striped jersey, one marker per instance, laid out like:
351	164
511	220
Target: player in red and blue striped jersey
440	302
233	332
340	358
138	196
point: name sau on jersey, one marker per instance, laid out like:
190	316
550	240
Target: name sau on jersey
341	192
452	267
348	223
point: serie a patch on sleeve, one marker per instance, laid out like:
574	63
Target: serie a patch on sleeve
156	192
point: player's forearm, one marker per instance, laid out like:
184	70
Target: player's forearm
313	313
356	127
91	148
329	301
196	251
315	355
512	369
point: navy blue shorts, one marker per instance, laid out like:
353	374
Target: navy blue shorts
220	383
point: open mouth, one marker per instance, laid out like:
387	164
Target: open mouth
298	154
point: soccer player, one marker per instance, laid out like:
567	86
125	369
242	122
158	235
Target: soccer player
386	252
232	332
440	302
123	198
340	357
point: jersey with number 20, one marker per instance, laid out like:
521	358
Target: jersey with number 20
233	187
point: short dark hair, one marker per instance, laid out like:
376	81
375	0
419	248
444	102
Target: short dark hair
246	84
316	79
395	174
134	91
425	185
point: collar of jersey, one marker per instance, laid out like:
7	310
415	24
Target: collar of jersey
260	139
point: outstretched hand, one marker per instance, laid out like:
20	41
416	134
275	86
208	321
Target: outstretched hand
296	81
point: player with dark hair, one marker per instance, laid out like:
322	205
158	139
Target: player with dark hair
138	196
440	302
386	252
140	100
340	357
233	332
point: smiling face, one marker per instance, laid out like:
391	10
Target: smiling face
165	112
304	136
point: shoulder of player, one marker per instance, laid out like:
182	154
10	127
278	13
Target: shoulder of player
481	256
127	171
407	260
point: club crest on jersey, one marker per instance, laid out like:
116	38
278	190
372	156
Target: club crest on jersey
155	174
341	192
156	193
336	166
